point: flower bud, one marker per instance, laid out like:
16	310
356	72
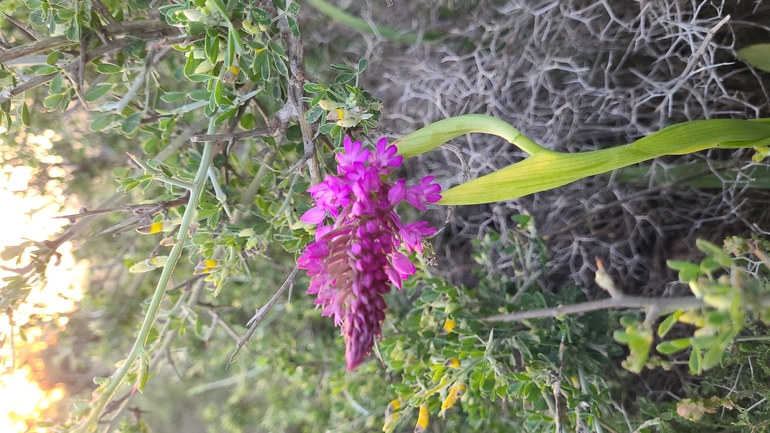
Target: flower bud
422	420
328	105
452	362
231	74
451	398
148	265
346	123
194	15
335	114
449	325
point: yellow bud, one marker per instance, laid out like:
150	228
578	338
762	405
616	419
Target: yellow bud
452	362
575	381
204	67
198	54
157	227
720	302
148	265
422	420
336	114
393	406
328	105
206	266
245	233
194	15
249	27
451	398
689	317
449	325
704	332
346	123
460	391
696	289
143	266
389	421
231	74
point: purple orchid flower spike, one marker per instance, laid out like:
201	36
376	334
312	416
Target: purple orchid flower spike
354	261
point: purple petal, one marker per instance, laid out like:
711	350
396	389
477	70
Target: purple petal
403	266
397	192
314	216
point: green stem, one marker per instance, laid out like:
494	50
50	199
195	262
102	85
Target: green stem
160	290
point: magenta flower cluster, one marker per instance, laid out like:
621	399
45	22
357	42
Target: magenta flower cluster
353	261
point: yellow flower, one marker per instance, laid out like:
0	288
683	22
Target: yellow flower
148	265
205	267
451	398
392	407
231	74
160	226
390	415
452	362
449	325
422	420
336	114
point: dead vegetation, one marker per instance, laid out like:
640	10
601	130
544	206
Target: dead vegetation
575	75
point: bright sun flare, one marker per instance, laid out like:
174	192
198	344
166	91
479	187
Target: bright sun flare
22	401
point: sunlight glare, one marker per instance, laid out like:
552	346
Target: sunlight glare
28	216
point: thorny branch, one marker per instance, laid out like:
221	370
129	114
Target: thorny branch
296	92
142	213
264	131
102	10
150	29
132	28
623	302
25	28
262	313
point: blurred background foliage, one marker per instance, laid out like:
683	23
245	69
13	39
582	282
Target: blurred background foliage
162	69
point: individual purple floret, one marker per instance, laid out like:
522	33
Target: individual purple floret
353	262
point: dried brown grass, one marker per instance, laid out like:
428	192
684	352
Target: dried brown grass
574	75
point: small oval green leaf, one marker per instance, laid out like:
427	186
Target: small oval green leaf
97	91
131	123
673	346
109	68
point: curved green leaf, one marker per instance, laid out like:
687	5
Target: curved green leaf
440	132
547	169
757	55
